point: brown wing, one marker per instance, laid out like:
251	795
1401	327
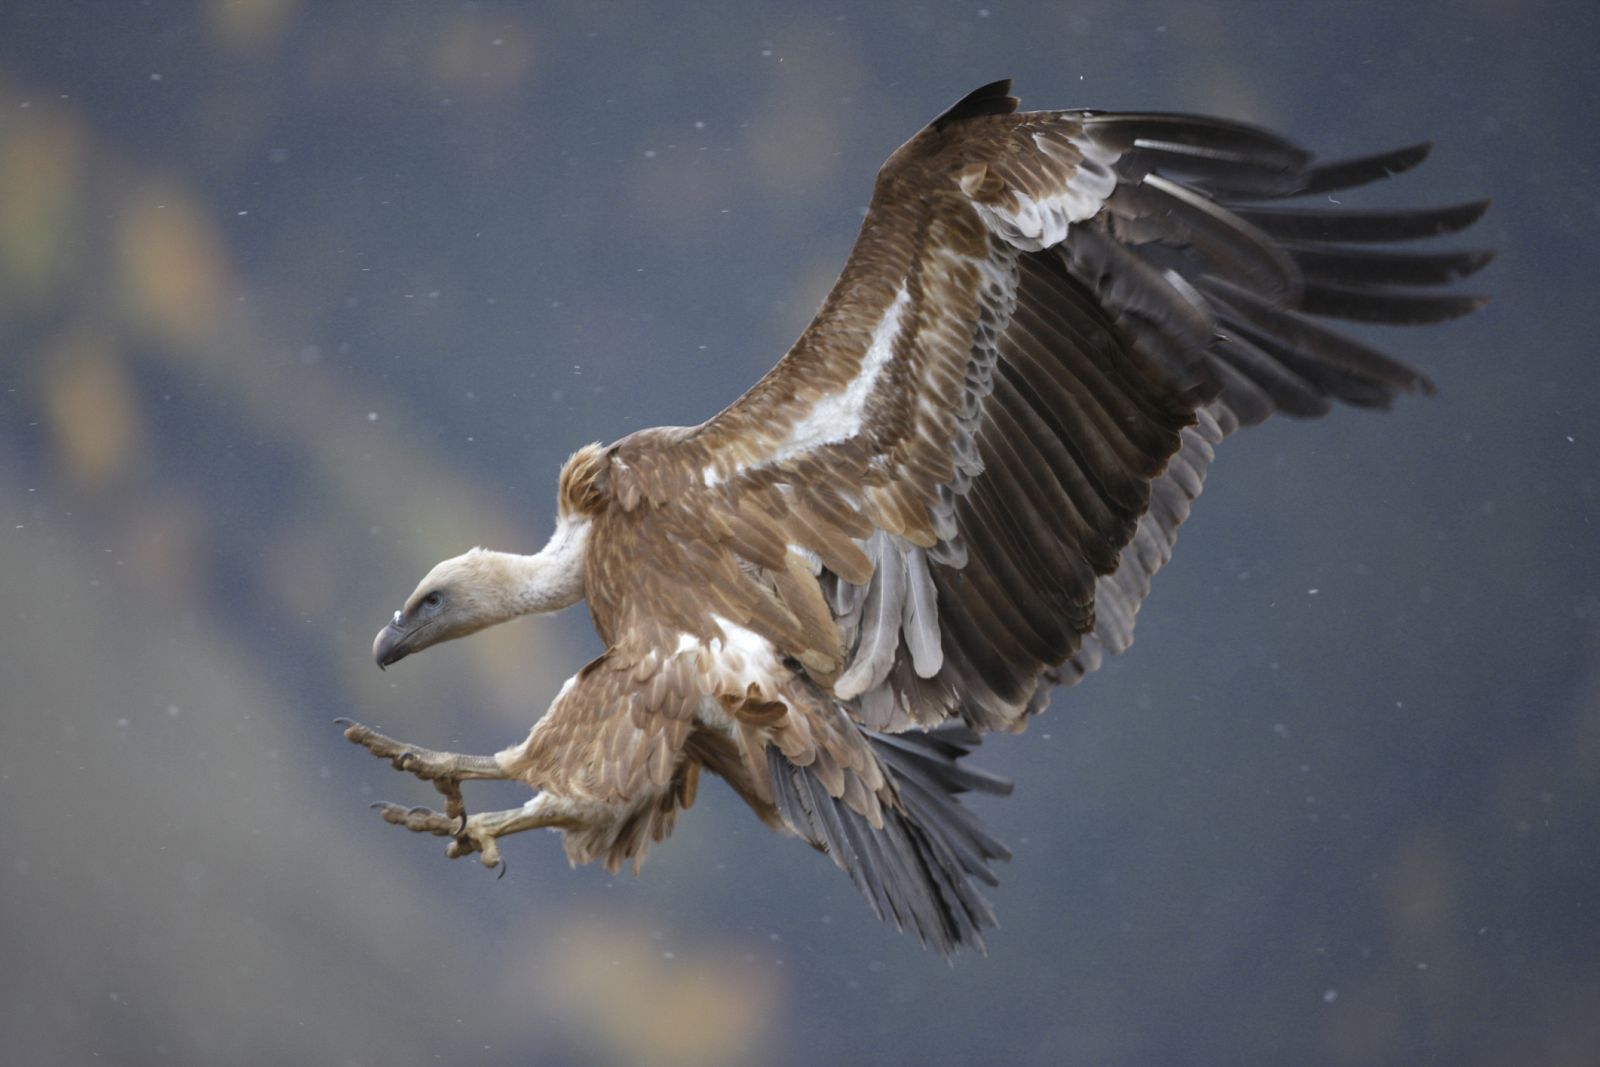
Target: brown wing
980	451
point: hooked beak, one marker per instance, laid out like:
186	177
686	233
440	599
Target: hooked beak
394	642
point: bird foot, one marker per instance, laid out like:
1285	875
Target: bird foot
425	763
468	834
446	771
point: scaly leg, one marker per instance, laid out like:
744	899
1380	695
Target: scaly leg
475	834
446	770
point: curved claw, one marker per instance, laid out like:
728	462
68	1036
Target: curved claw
392	813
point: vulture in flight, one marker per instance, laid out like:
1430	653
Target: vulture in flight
946	500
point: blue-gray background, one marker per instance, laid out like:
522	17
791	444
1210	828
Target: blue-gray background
297	298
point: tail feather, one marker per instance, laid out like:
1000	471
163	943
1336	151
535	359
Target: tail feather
921	868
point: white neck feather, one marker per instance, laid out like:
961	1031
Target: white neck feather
552	578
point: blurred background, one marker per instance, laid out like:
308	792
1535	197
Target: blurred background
296	299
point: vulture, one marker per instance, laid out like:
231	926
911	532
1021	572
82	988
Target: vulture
947	499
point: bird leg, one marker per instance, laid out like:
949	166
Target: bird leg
477	833
446	770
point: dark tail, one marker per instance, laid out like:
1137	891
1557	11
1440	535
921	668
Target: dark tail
919	869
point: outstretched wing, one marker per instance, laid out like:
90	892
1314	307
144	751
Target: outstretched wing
954	489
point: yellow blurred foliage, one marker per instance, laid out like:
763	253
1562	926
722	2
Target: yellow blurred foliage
249	26
642	1005
485	56
40	163
94	417
173	269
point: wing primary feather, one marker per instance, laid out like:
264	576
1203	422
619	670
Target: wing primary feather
1386	306
1124	131
1322	178
1367	267
1247	400
1200	164
1363	170
1312	224
1164	209
1301	334
1329	379
1290	393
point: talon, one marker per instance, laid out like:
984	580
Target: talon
402	759
392	813
504	867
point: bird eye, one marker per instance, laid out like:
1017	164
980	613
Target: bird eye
432	600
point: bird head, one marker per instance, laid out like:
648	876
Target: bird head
458	597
